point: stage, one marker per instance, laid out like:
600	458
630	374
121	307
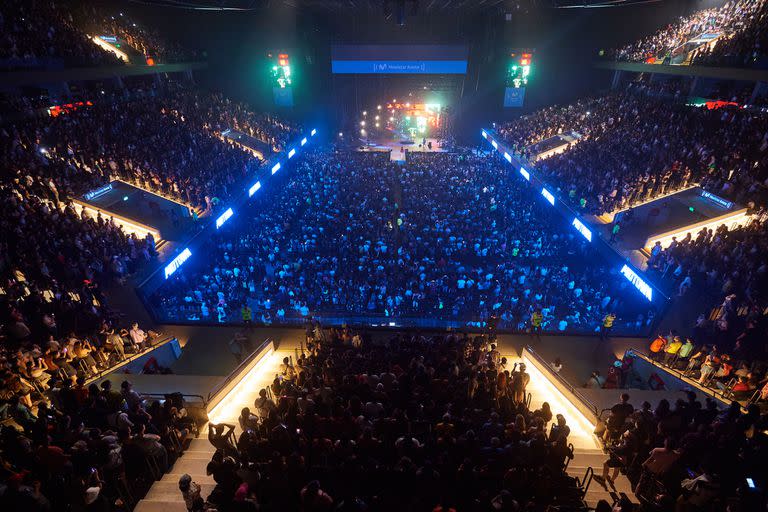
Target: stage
399	146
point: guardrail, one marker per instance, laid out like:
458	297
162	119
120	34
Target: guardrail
573	395
217	394
678	374
528	173
103	373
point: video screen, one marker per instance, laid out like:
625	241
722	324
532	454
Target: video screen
402	59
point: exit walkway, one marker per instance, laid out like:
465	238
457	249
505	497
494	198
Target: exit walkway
164	496
587	448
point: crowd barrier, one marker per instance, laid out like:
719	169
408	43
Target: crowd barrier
527	173
212	223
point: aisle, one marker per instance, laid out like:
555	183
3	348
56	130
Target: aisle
164	496
587	449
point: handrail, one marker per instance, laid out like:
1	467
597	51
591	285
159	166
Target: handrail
585	483
129	359
560	379
717	394
184	395
234	373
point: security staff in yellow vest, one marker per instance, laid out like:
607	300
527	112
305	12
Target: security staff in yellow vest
605	329
536	320
247	314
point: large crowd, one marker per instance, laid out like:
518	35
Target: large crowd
32	32
636	146
54	34
407	423
444	236
735	36
171	143
687	456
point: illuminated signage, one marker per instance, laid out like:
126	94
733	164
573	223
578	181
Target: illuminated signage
581	228
179	260
303	141
109	39
313	132
256	186
485	135
291	153
525	174
276	168
508	157
637	282
719	201
546	193
93	194
224	217
495	146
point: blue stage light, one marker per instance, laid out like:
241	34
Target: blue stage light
291	153
276	168
303	141
256	186
313	132
525	174
508	157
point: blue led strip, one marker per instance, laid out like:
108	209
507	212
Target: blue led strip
176	262
548	195
224	217
581	228
638	282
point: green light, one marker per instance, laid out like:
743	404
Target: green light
690	208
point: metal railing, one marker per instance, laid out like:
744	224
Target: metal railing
160	341
561	380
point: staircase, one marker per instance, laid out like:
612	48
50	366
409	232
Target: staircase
587	449
164	496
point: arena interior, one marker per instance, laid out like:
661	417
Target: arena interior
373	255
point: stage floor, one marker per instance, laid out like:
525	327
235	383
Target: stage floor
398	147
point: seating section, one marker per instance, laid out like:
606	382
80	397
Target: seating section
733	36
33	32
443	419
47	34
637	146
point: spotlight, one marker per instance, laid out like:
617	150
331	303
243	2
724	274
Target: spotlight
377	118
378	107
362	123
365	112
341	134
377	125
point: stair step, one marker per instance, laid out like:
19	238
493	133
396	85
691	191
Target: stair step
190	466
160	506
201	444
172	488
173	478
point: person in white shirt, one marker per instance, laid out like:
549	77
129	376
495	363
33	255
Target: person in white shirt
138	336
